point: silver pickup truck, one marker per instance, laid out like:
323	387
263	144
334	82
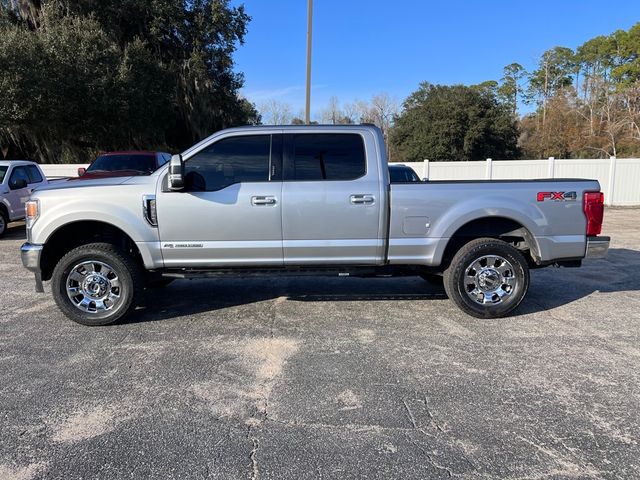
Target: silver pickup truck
299	200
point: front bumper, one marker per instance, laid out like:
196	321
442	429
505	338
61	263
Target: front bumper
31	254
597	247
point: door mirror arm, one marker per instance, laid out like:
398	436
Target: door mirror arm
176	173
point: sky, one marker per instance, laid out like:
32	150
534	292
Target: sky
364	47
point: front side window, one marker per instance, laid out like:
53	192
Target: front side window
19	173
328	156
229	161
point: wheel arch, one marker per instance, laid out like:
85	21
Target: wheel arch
502	227
74	234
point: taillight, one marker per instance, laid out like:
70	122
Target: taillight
593	206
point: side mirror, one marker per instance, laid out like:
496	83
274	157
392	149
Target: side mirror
176	173
81	171
18	184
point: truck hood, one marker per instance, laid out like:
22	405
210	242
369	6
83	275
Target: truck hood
105	174
87	183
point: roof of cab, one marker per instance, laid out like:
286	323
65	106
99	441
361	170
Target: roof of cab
6	163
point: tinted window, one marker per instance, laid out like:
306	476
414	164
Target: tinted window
114	163
231	160
19	173
3	172
402	175
328	156
34	174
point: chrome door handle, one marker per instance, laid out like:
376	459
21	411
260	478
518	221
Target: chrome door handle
363	199
263	200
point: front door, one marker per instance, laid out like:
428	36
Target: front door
17	197
229	213
331	200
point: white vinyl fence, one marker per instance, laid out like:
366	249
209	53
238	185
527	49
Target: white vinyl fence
618	177
61	170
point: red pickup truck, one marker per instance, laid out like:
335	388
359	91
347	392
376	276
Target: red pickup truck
124	164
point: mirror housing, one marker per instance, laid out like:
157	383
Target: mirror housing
81	171
176	173
18	184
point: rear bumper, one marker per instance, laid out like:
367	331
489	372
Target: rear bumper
597	247
31	254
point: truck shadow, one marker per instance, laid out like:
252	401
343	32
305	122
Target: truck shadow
550	288
15	231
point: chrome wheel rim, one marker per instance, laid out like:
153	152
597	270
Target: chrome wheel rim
94	287
490	280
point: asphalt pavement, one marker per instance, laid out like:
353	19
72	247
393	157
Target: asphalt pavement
328	378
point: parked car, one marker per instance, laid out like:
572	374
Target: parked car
124	164
300	200
17	180
399	173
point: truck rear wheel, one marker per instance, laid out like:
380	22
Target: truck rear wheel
96	284
487	278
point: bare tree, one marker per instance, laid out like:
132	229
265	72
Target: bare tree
350	111
383	110
275	112
332	113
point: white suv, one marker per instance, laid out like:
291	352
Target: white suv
18	178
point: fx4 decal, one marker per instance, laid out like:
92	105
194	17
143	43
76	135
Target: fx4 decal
557	196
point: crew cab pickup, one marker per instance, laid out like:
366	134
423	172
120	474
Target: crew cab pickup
17	179
300	200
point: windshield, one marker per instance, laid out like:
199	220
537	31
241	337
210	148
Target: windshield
114	163
3	172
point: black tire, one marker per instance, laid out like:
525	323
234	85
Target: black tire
125	269
468	292
4	222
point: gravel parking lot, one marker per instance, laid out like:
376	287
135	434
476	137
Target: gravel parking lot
328	378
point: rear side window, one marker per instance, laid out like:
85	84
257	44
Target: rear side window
328	156
34	174
3	172
229	161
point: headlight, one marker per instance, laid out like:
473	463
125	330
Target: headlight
32	212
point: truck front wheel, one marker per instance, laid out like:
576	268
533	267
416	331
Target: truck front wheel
96	284
4	221
487	278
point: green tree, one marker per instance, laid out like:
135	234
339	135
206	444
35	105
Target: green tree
78	76
510	88
554	72
456	122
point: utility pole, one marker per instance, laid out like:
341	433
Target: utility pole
307	114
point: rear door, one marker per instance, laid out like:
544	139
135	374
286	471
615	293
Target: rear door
229	213
331	199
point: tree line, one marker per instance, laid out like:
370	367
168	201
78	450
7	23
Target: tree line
586	103
82	76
